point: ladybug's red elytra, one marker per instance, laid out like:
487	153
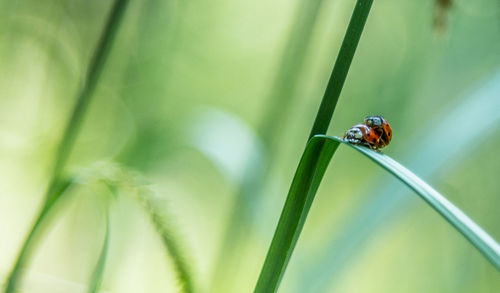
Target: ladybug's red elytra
382	127
374	133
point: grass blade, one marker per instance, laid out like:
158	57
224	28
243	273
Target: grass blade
94	71
122	181
326	269
57	192
341	68
161	223
96	278
305	183
458	219
313	162
95	68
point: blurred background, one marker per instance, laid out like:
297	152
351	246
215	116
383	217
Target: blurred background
210	104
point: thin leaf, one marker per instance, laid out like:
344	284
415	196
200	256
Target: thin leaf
96	278
121	180
94	71
170	241
479	105
314	161
29	244
305	183
458	219
304	187
89	83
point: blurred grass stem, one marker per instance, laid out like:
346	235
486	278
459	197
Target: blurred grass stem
97	274
171	241
94	71
56	193
278	105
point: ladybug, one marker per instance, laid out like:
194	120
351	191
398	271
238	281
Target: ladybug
374	133
362	134
382	127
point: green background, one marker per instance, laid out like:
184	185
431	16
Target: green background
184	99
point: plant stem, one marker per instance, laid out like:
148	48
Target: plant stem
312	165
341	68
171	240
305	183
57	191
70	133
94	71
97	274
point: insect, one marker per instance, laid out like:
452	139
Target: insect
374	133
382	127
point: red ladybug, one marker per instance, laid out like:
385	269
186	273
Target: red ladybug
375	133
362	134
382	127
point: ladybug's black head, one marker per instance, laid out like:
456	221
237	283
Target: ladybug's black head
373	121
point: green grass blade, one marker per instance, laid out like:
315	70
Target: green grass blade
170	240
313	162
312	167
120	180
97	274
327	269
341	68
96	65
57	193
305	183
458	219
95	68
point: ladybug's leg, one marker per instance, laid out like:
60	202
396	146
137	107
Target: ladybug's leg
373	147
368	145
383	141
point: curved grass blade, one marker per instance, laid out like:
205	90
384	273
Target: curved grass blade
96	278
479	105
312	167
120	180
458	219
57	192
95	68
305	183
168	237
94	71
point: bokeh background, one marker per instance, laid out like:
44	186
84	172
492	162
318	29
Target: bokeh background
211	103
